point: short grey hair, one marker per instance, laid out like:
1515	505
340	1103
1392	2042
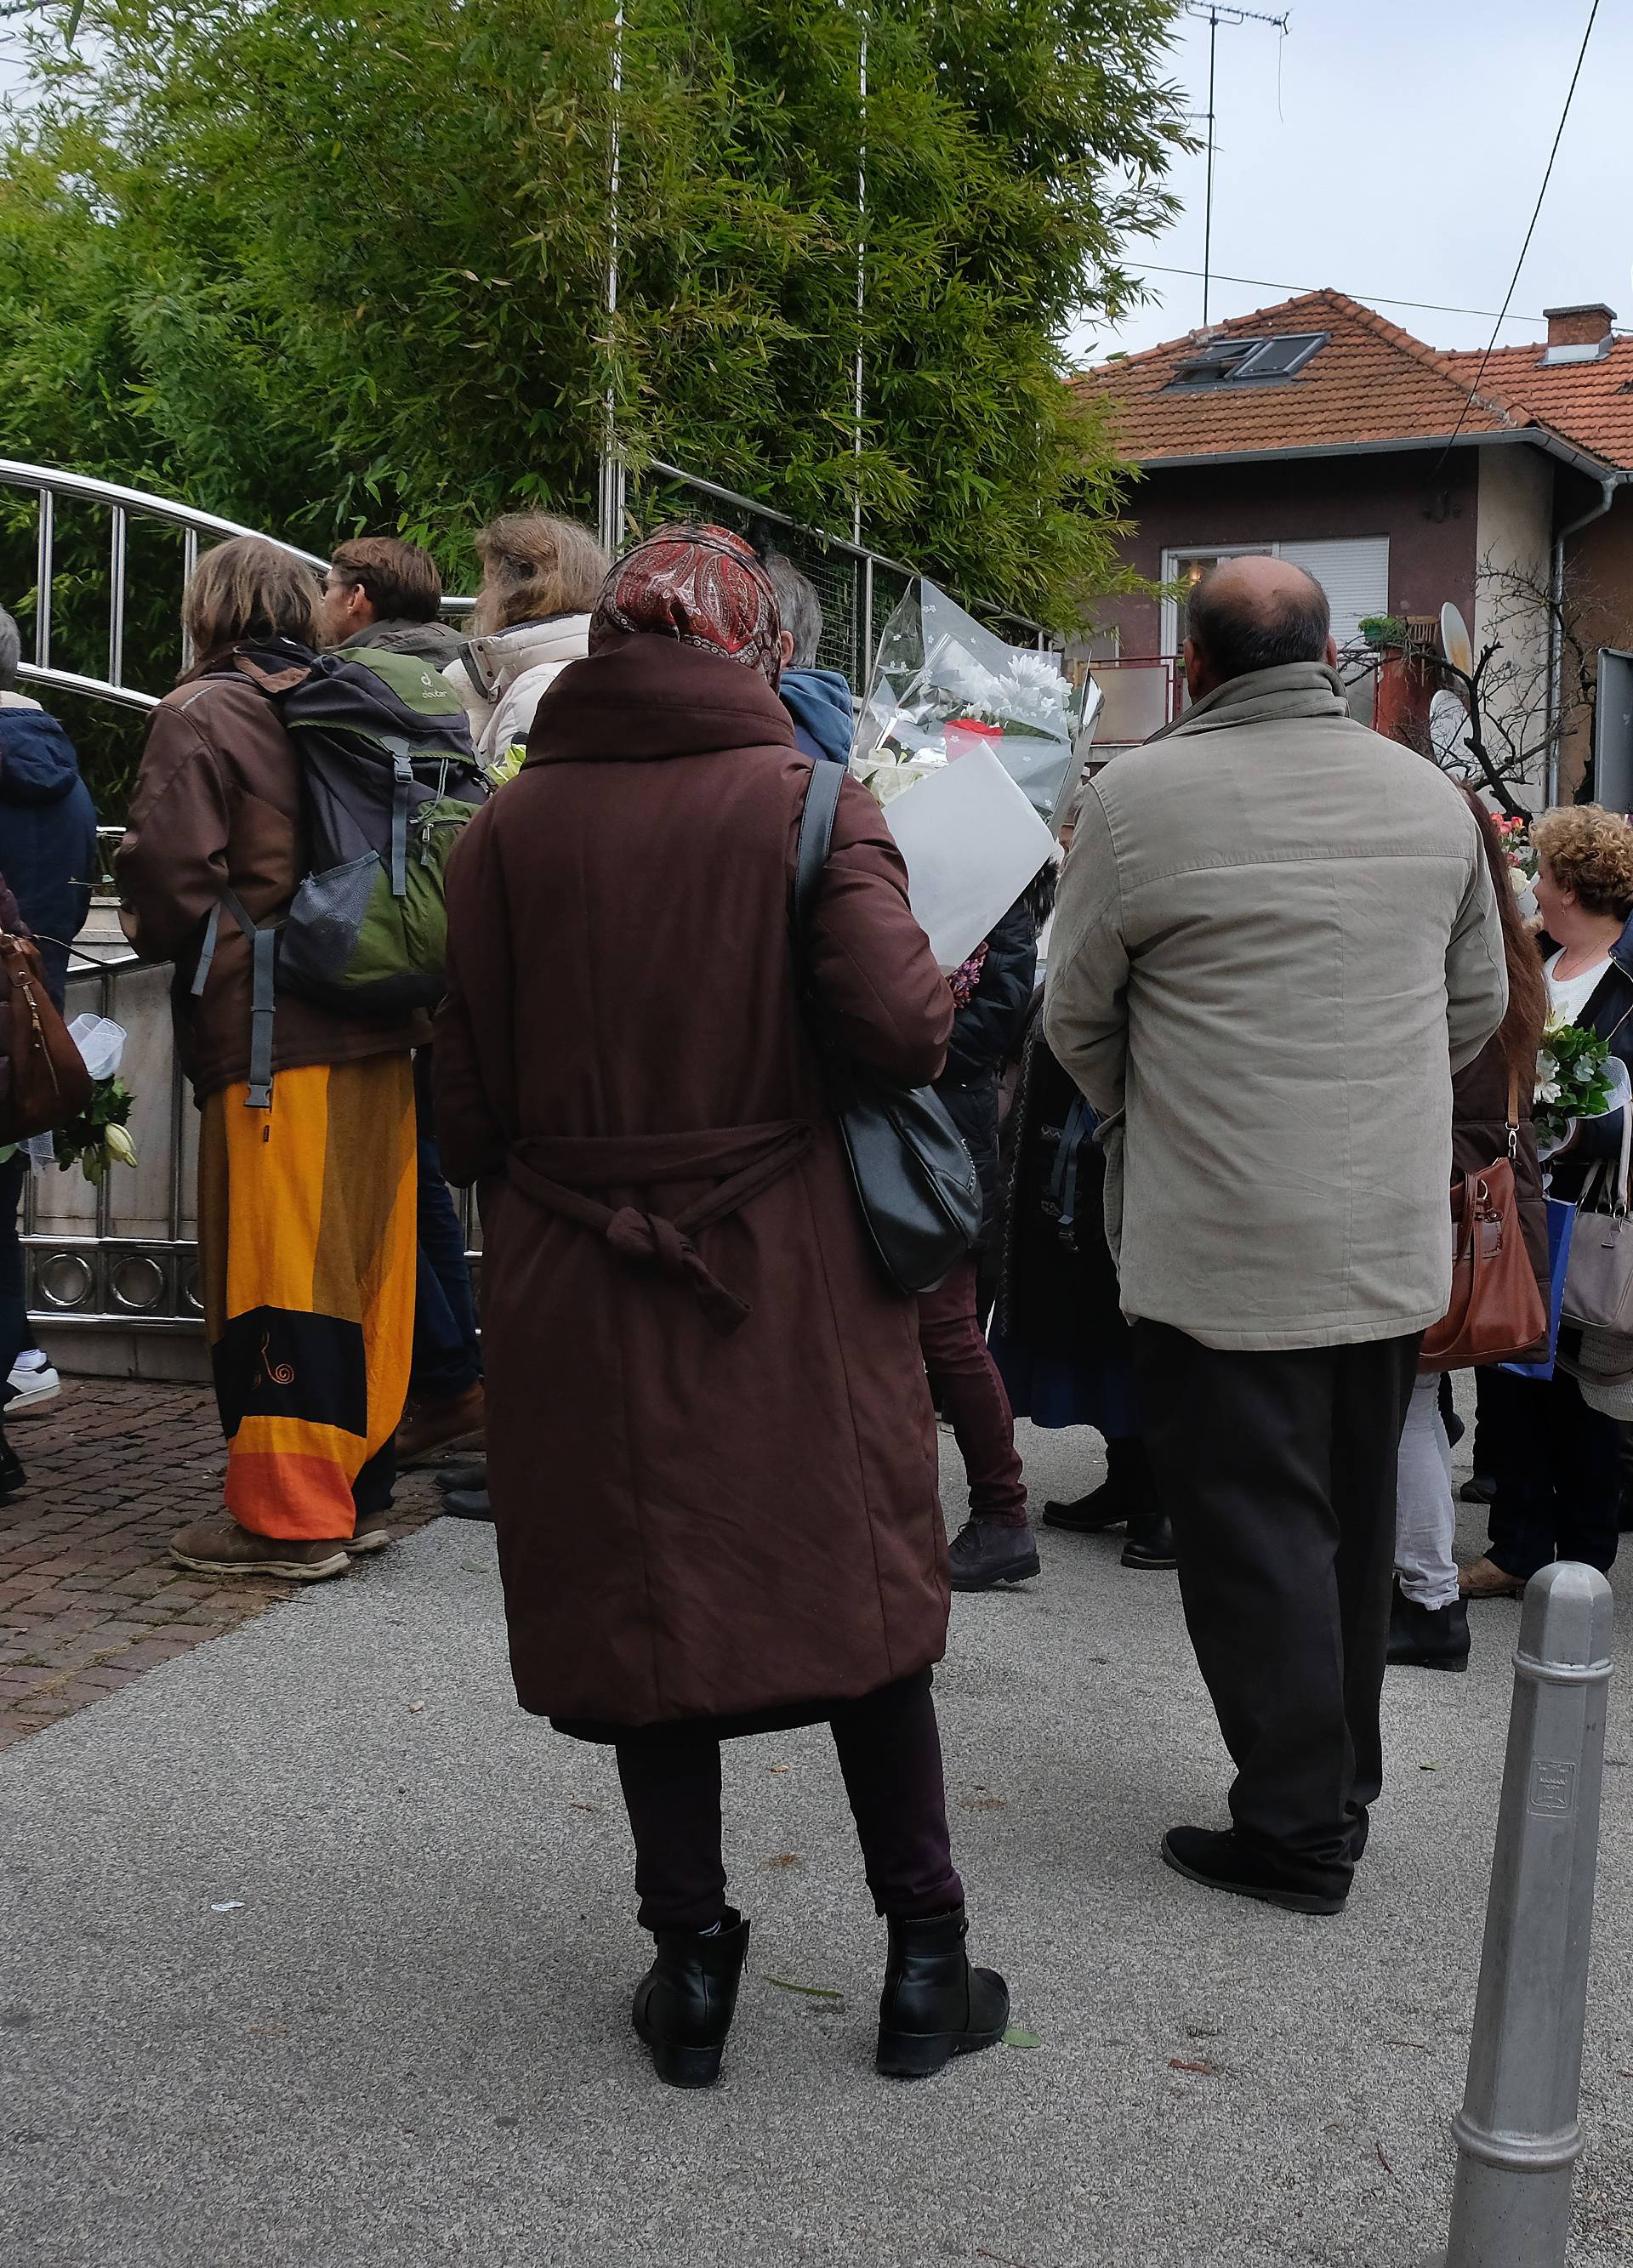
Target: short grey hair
799	606
10	651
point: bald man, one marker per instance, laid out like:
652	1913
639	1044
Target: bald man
1276	940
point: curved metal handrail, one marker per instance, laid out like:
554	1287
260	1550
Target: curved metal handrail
47	484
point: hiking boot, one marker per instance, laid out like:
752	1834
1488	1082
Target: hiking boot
219	1546
988	1551
1428	1637
1220	1862
1485	1580
442	1421
934	2006
684	2003
1150	1542
371	1533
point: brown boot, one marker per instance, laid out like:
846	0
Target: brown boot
371	1533
219	1546
1485	1580
446	1421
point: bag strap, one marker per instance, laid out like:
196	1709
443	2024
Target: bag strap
263	1000
822	801
1512	1121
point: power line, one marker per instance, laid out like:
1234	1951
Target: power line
1548	176
1379	299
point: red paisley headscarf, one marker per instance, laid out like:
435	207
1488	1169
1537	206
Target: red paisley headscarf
702	586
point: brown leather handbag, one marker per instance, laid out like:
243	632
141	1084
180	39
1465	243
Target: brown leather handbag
43	1079
1497	1312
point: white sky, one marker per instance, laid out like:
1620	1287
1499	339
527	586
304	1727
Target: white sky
1405	157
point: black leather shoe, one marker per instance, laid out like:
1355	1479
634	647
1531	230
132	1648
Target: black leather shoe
467	1504
934	2006
1478	1490
1428	1637
985	1552
1219	1862
684	2003
1106	1507
474	1475
1151	1542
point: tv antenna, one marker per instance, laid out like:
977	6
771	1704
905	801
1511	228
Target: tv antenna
1206	12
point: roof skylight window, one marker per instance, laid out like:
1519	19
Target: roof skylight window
1246	362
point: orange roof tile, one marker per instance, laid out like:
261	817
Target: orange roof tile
1589	403
1372	382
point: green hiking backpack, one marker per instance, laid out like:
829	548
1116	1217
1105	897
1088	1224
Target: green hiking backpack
389	782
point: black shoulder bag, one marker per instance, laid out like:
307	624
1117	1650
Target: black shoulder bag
916	1184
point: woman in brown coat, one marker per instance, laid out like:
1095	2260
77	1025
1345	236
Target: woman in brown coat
711	1449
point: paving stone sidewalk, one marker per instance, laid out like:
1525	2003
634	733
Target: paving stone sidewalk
89	1598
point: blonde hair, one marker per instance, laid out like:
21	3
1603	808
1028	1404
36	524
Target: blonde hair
1589	850
535	566
247	588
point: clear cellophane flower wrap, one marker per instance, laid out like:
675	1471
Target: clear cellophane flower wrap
936	665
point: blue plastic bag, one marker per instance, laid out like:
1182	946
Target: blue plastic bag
1562	1221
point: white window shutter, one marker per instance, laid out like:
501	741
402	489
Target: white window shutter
1355	574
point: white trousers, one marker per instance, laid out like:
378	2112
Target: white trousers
1425	1511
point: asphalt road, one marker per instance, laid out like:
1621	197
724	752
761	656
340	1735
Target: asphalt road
317	1951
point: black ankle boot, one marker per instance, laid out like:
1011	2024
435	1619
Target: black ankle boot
684	2004
934	2006
1428	1637
1122	1496
1150	1540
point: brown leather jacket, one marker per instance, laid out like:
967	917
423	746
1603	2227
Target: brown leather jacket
218	804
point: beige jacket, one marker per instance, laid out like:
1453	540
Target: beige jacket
1276	940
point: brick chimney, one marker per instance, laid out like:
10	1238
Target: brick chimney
1579	327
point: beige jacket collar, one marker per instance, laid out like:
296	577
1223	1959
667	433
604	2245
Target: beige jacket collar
1264	697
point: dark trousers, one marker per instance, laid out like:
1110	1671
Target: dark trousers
891	1756
970	1394
15	1333
1557	1466
448	1356
1278	1471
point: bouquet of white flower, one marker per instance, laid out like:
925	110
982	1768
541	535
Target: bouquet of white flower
1576	1078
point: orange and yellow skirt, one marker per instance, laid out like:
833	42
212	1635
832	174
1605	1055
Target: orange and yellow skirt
307	1259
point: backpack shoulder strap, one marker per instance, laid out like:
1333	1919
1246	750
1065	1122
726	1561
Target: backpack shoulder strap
263	1003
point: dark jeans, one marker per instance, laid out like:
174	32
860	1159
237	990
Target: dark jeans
1558	1465
890	1756
15	1333
1278	1471
970	1394
448	1356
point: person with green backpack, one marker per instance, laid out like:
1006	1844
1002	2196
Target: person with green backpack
290	822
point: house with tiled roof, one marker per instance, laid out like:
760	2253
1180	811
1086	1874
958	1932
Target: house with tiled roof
1402	476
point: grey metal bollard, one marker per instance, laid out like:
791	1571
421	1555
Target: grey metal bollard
1517	2134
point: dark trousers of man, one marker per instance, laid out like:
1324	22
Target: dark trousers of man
446	1357
1278	1471
891	1756
1557	1466
970	1395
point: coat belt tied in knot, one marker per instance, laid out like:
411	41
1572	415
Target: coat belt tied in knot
559	1172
